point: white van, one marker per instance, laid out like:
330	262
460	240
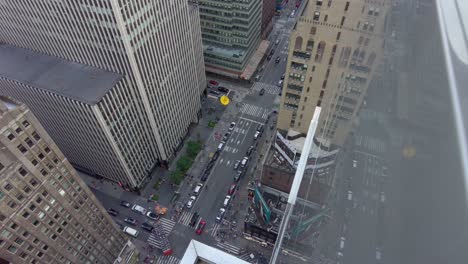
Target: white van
244	161
197	189
342	240
227	200
220	146
130	231
139	209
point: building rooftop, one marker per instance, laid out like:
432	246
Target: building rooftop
76	81
198	252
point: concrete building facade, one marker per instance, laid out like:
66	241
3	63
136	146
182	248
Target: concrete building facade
334	51
47	213
231	34
268	12
147	115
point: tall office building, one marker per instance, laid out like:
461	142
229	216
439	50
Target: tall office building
47	213
231	34
145	117
268	12
334	51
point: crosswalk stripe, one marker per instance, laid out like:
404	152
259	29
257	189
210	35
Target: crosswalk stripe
167	260
245	256
228	247
185	218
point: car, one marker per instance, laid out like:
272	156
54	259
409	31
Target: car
277	42
257	134
262	91
257	78
350	195
205	176
269	57
244	162
130	231
190	201
125	204
382	197
139	209
209	166
280	83
130	220
250	150
215	156
221	146
152	215
220	215
213	84
277	60
354	163
236	164
226	136
232	189
378	254
113	212
260	128
282	76
227	200
237	176
231	126
200	227
194	219
215	92
148	227
223	89
272	51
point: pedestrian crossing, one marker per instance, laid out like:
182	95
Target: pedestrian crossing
157	242
167	260
255	111
185	218
374	145
269	88
215	230
166	225
228	248
245	257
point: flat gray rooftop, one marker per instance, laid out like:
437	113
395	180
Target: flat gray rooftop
73	80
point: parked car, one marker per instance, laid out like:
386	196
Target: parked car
280	83
148	227
260	128
236	164
257	134
130	220
237	176
277	42
262	91
223	89
213	84
226	136
227	200
220	215
277	60
282	76
232	189
221	146
205	176
113	212
215	156
130	231
152	215
191	201
197	189
244	162
231	126
272	51
250	150
125	204
209	166
269	57
200	227
215	92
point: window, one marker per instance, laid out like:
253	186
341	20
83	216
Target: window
13	226
26	189
41	156
329	3
11	136
25	123
21	148
35	135
342	20
346	6
32	207
2	217
313	30
23	255
22	172
26	214
33	182
44	172
1	166
34	162
47	149
18	130
310	45
319	102
325	19
36	223
7	187
25	234
19	241
28	142
12	249
366	42
298	43
319	2
324	84
11	204
338	35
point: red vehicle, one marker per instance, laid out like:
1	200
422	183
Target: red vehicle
298	3
213	84
200	227
232	189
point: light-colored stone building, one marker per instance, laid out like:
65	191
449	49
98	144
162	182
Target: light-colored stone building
47	213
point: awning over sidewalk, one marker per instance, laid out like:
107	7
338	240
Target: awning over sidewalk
255	60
